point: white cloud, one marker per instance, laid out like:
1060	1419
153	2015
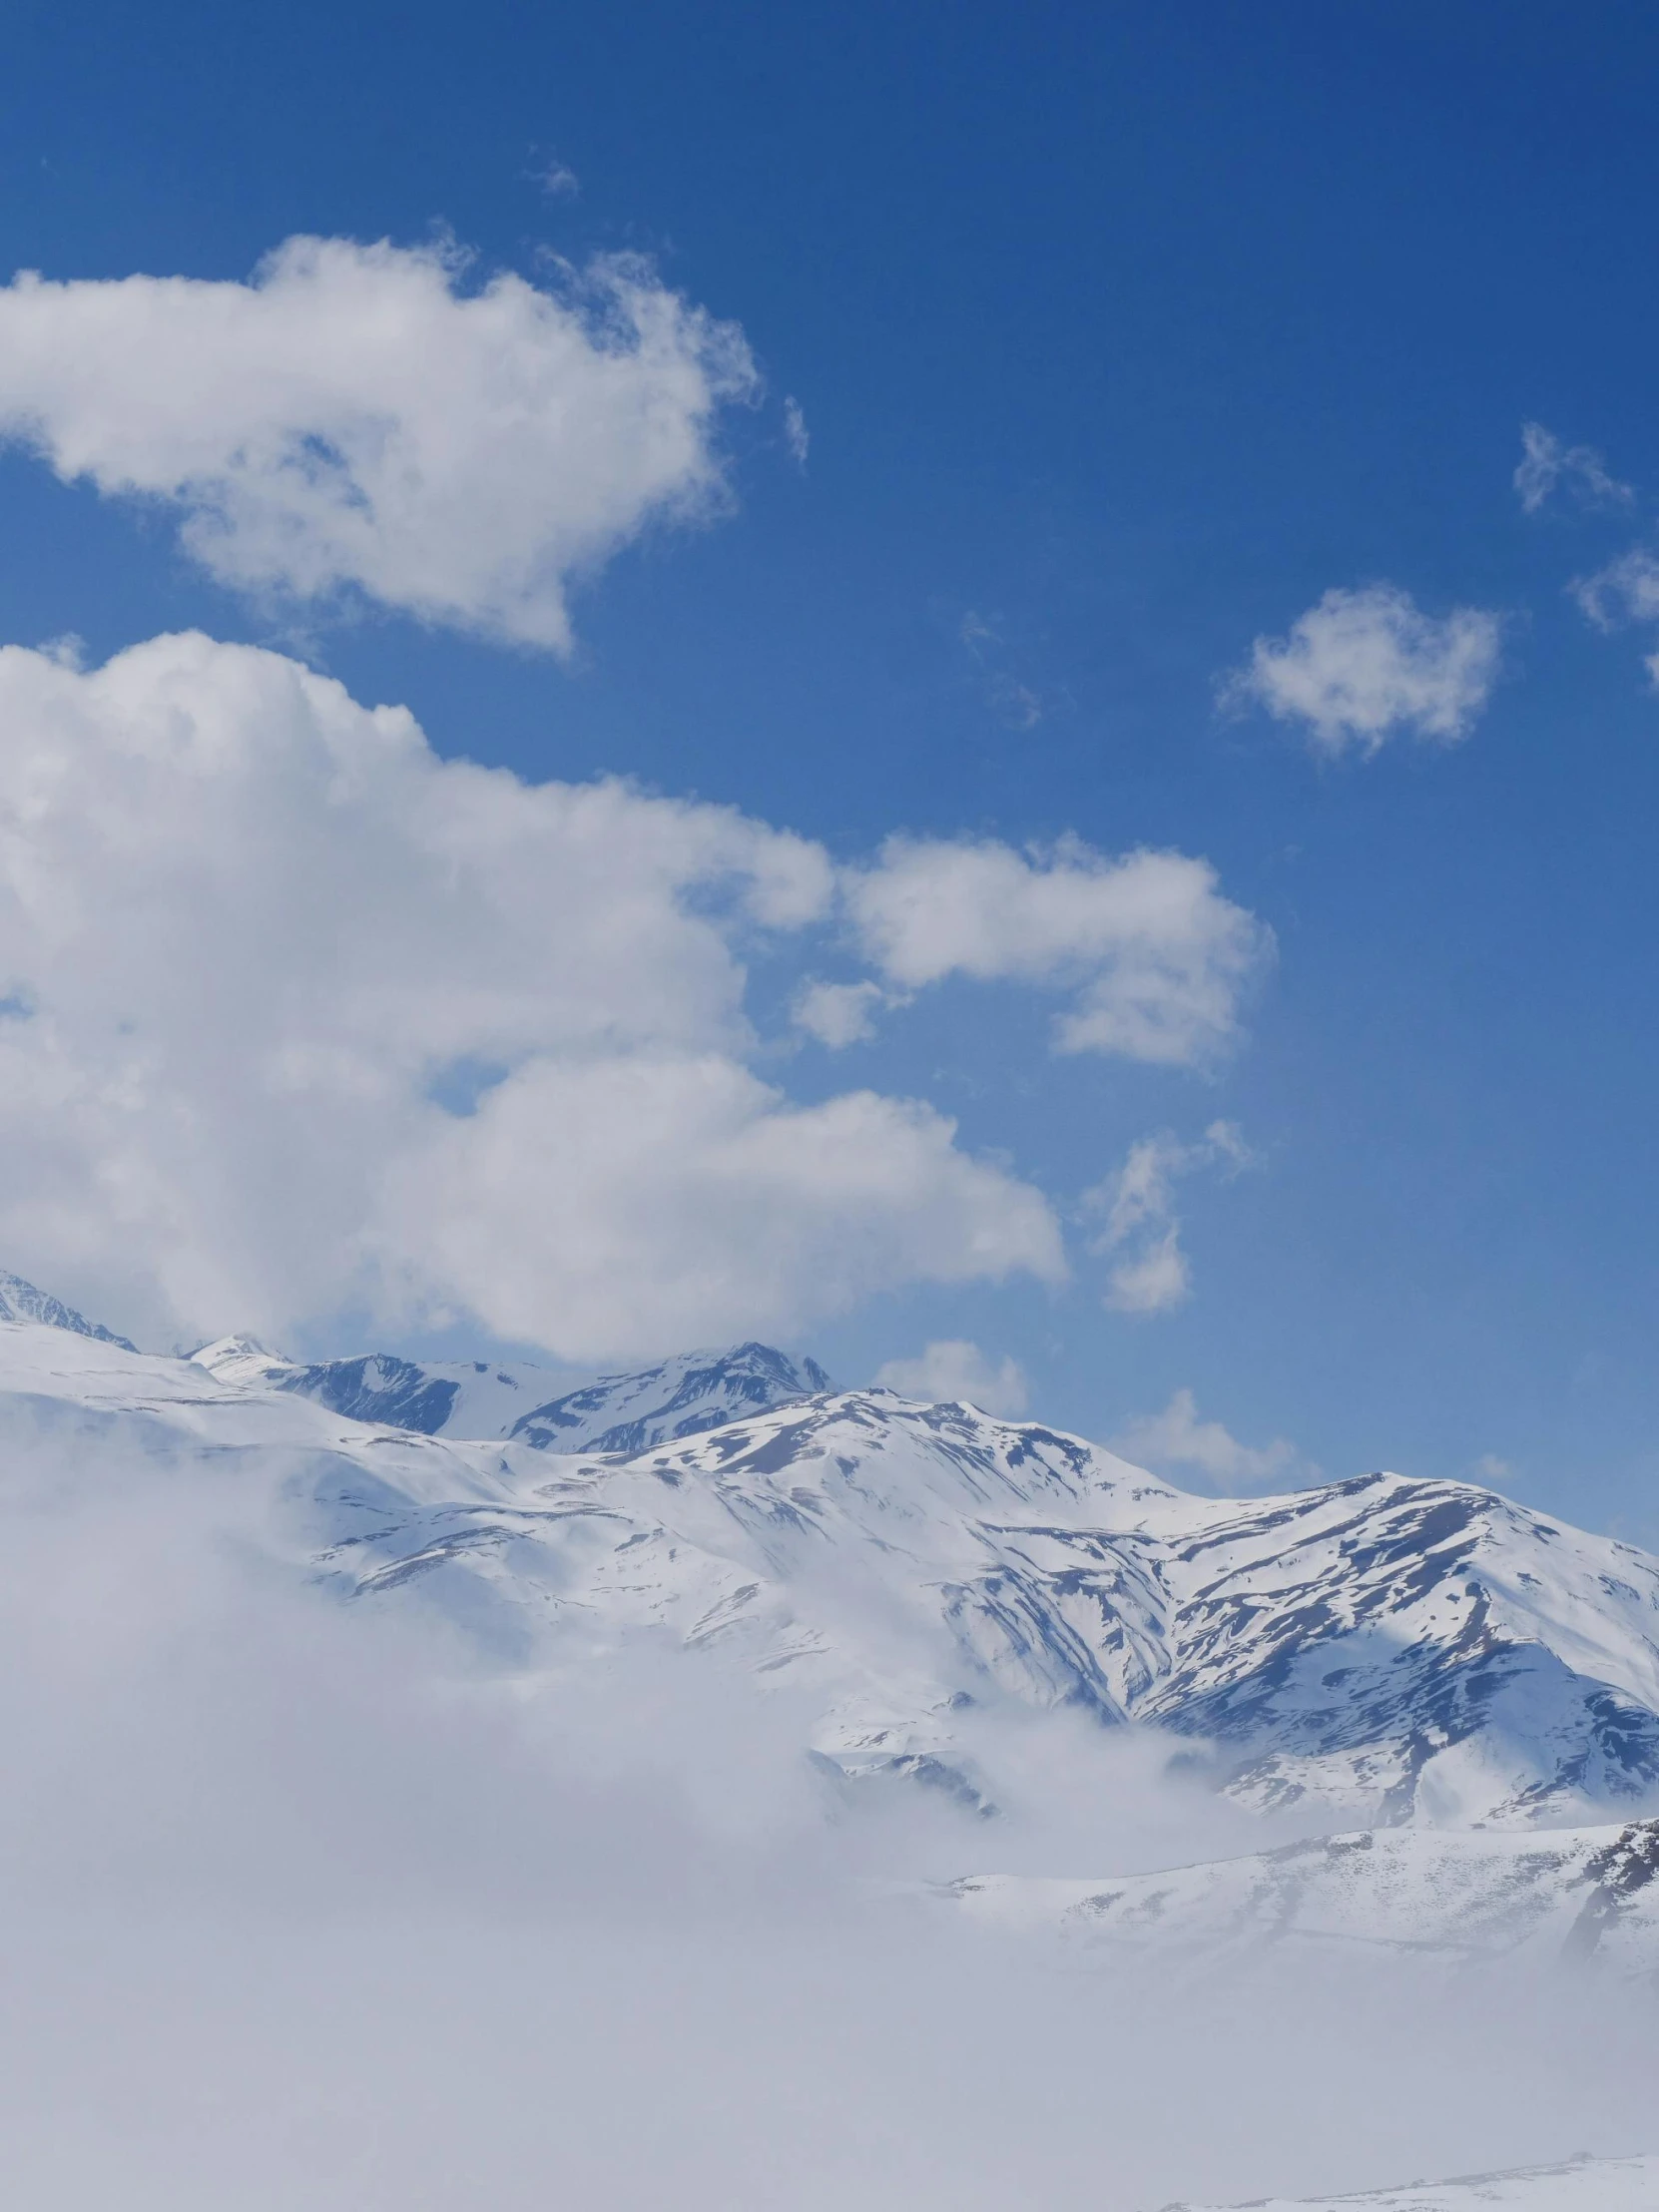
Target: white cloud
1155	956
353	418
1149	1272
1627	590
952	1370
1176	1440
1546	463
1364	665
255	931
838	1014
796	436
557	179
686	1199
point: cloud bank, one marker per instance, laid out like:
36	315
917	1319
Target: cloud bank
354	419
1365	664
300	1018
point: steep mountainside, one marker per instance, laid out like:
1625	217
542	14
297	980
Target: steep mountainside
20	1301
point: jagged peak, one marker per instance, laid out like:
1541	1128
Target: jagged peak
22	1301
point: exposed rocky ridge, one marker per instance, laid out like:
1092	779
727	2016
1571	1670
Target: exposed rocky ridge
21	1301
480	1399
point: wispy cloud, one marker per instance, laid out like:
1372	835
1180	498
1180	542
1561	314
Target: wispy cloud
953	1369
1178	1441
1546	465
1149	1272
795	434
1626	590
555	178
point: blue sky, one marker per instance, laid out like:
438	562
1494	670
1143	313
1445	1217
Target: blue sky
1120	336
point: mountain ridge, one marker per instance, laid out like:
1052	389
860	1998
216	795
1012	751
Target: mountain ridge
1382	1653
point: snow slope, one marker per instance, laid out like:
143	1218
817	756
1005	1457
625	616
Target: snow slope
1581	2185
1588	1893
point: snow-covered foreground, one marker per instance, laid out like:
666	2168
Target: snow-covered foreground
1560	1896
1581	2185
398	1819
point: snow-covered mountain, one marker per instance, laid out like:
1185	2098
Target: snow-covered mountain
478	1398
1378	1652
20	1301
1374	1651
1580	2185
1589	1893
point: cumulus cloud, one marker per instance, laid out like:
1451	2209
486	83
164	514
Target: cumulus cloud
1177	1442
1546	464
1364	665
796	436
300	1016
1153	957
684	1196
356	417
953	1369
1142	1231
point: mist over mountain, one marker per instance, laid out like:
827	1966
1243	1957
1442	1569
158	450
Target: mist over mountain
945	1699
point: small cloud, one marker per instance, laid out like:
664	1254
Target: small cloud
953	1369
1546	463
1016	703
556	178
1626	590
1155	1278
1177	1438
1154	959
1019	705
1151	1274
839	1014
1491	1468
796	436
1364	665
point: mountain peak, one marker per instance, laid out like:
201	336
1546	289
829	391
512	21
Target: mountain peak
22	1302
